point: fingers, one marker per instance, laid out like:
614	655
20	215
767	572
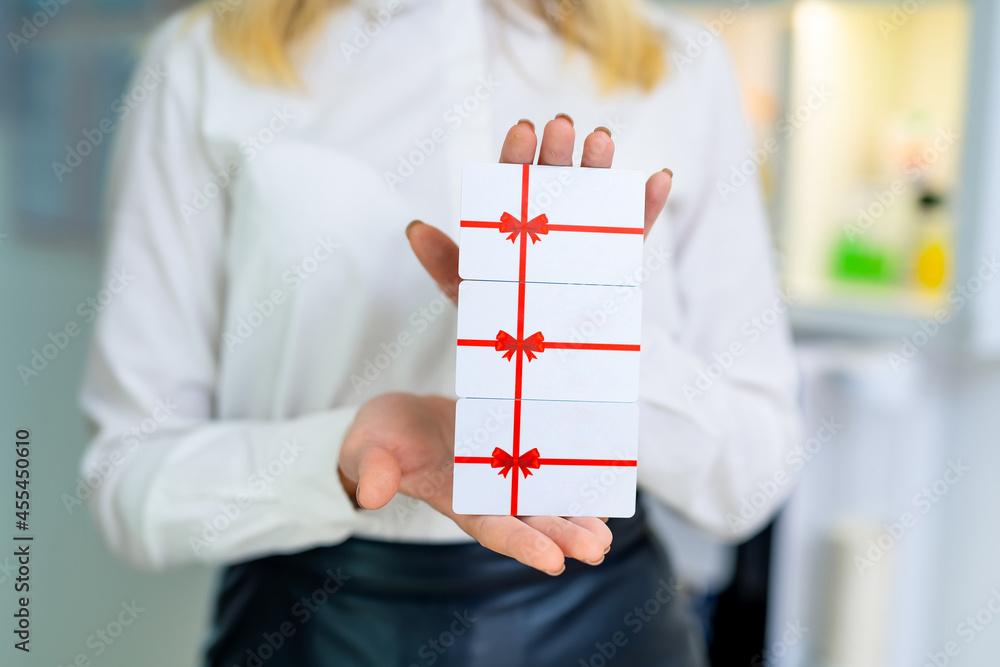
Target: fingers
576	540
378	478
438	254
519	146
557	142
595	525
512	537
598	149
657	190
541	542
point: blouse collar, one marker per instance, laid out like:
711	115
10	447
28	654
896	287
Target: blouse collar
511	10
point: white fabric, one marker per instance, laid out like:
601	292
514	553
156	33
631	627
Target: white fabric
229	199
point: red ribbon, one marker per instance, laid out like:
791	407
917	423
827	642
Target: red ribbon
502	459
533	461
530	345
534	227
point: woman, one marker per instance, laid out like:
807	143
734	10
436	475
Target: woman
302	360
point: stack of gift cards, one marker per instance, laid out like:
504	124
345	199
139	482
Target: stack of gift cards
549	320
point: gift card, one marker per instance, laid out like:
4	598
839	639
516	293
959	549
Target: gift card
542	458
551	224
549	342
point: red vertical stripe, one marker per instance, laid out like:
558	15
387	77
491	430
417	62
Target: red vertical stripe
516	445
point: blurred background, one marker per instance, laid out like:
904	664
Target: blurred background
877	134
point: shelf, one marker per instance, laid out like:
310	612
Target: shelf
871	178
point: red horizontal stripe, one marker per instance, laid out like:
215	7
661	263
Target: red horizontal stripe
557	462
588	462
481	224
469	342
595	230
591	346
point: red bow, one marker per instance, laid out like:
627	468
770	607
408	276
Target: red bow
502	459
530	345
532	228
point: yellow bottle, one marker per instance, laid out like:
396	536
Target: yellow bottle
932	256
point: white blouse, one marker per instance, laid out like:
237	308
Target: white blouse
274	290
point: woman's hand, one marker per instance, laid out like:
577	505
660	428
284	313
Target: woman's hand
405	443
402	443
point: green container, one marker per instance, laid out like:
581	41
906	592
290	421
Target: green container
857	260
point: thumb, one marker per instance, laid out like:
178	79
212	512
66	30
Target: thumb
378	478
438	254
657	190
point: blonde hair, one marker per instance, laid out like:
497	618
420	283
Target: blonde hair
261	36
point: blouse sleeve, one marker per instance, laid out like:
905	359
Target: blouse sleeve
166	482
719	415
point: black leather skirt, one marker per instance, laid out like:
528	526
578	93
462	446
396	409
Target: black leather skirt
366	603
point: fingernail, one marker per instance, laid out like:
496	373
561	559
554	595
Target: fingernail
603	129
357	489
566	116
596	562
669	172
528	123
410	226
556	574
607	550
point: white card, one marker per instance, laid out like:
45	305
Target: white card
573	459
577	342
564	224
